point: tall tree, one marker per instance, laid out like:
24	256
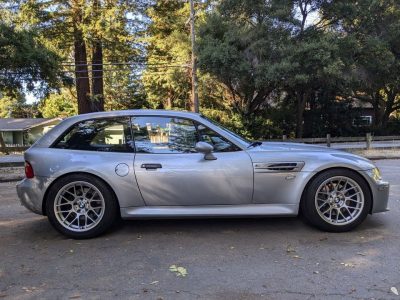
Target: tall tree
87	30
373	27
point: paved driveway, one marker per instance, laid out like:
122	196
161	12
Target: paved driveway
277	258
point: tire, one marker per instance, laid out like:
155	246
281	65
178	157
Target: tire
81	206
336	200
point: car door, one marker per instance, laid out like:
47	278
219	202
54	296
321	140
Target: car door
169	171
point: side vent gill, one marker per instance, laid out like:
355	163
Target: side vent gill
279	166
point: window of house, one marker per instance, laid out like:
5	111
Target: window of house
363	121
110	135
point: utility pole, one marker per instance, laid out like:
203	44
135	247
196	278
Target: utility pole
195	98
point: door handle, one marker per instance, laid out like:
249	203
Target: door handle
151	166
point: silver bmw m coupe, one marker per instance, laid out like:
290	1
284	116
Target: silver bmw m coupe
90	169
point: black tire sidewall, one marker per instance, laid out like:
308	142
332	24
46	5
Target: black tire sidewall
110	210
308	202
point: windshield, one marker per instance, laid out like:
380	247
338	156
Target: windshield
231	133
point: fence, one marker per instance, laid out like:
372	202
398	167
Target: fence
14	148
368	138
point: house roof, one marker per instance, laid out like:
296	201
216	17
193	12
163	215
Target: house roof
14	124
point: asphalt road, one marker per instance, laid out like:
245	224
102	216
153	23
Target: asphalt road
277	258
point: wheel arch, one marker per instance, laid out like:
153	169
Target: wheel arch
77	173
338	168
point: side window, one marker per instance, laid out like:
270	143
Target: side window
164	135
219	143
111	135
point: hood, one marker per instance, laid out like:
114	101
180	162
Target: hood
282	146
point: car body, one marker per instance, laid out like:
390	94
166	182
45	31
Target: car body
161	164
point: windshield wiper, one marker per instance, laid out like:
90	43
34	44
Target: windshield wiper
255	143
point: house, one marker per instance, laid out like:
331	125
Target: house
25	131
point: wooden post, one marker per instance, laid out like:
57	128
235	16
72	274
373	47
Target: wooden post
284	137
2	144
328	140
368	139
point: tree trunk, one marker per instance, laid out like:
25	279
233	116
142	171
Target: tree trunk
97	68
81	68
253	104
301	105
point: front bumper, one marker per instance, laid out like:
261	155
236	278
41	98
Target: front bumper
31	193
380	194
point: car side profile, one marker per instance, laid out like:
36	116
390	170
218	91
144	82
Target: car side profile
92	168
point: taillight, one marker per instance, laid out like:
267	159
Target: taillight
29	170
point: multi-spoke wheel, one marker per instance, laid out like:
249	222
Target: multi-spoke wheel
81	206
336	200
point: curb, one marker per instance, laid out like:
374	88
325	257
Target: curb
12	164
381	157
12	179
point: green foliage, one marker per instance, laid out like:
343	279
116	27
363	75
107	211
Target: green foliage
60	104
13	105
26	62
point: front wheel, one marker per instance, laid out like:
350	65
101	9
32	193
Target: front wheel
336	200
81	206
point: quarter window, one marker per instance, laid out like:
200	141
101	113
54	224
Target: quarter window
219	143
111	135
164	135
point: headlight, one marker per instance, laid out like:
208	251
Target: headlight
374	174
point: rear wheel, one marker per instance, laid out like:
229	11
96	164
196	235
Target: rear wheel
337	200
81	206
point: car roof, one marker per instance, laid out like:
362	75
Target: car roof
132	112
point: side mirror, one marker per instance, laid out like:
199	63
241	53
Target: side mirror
203	147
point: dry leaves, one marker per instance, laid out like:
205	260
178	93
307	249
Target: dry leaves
394	290
75	297
29	289
180	271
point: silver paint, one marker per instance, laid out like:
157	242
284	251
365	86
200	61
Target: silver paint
188	185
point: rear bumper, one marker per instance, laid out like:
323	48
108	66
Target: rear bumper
31	193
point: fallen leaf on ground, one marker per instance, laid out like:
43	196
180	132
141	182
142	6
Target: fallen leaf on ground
75	297
180	270
353	289
71	251
394	290
173	268
139	237
3	296
289	248
154	282
232	247
362	254
295	256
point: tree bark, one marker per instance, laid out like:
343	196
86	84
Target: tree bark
301	105
252	104
97	67
81	68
